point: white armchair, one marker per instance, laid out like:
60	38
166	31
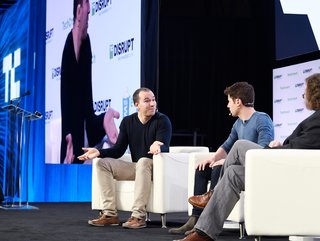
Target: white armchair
236	217
170	182
282	193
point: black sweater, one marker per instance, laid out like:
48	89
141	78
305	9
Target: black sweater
140	136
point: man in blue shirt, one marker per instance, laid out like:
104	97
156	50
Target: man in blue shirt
250	125
232	182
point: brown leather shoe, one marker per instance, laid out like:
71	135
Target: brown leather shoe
134	222
195	237
104	220
200	201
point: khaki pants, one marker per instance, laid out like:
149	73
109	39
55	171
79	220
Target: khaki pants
109	169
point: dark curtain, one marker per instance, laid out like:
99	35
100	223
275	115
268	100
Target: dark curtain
149	44
204	47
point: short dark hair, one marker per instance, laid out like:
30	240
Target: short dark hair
75	5
313	91
243	91
137	92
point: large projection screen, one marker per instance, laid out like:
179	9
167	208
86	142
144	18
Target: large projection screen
297	27
115	34
288	105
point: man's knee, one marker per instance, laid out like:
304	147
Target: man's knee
103	163
239	143
145	163
235	175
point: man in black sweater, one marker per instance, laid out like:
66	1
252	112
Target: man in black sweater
146	132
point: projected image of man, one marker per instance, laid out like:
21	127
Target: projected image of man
79	122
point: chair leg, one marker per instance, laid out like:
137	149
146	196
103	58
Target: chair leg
163	220
148	217
242	231
257	238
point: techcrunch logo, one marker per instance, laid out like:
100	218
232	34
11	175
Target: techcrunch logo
284	112
292	74
284	87
9	65
98	6
121	48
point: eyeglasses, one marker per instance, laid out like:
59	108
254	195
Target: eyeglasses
303	95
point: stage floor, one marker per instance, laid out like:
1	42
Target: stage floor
68	222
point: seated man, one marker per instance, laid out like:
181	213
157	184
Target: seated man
147	132
232	182
250	125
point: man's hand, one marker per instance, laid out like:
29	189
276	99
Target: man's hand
274	143
201	165
217	163
69	153
155	148
89	155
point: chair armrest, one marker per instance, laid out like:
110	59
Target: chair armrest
194	158
188	149
281	192
170	182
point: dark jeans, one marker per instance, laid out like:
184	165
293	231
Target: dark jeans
201	182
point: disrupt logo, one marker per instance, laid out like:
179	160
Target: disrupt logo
121	48
9	65
277	101
278	125
56	72
307	70
299	110
299	85
101	105
99	5
277	76
49	34
49	114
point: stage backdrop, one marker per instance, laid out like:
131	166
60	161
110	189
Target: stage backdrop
25	41
22	84
288	86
